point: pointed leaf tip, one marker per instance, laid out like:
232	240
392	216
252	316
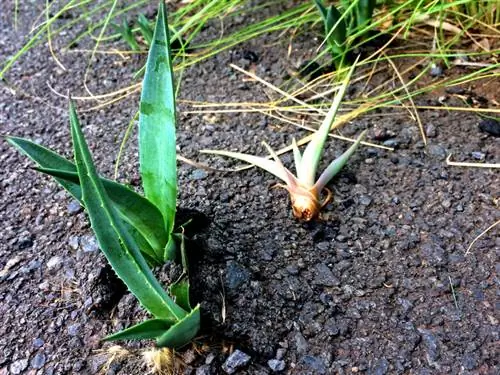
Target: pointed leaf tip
312	154
336	165
157	120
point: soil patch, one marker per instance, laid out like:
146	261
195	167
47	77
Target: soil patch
379	285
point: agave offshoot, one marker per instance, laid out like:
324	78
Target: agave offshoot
305	191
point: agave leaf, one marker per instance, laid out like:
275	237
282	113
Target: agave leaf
182	332
322	10
335	27
115	242
170	250
46	158
126	33
157	152
364	11
180	290
291	180
150	329
263	163
167	332
146	250
312	154
297	157
336	165
133	208
146	30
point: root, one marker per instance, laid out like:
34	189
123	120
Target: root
328	198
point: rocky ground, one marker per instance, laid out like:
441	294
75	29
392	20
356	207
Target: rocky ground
380	285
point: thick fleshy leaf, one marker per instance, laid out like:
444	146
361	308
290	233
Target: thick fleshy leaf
146	30
322	10
297	157
335	31
364	11
180	290
312	154
182	332
48	159
133	208
336	165
115	242
335	27
150	329
263	163
157	152
291	180
126	33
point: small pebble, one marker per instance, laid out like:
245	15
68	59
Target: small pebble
203	370
74	242
236	275
381	367
38	343
446	203
210	358
381	134
430	131
431	344
490	126
324	276
54	262
89	243
314	363
74	207
436	70
69	273
74	329
235	361
442	99
189	356
25	242
433	254
280	353
38	360
365	200
391	143
276	365
301	343
478	155
97	362
18	366
198	174
437	151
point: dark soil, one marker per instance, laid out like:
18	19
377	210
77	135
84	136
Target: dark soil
380	285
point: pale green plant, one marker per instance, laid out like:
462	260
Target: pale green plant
305	191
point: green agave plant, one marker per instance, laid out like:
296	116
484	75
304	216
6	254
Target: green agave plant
338	26
136	231
305	191
127	33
